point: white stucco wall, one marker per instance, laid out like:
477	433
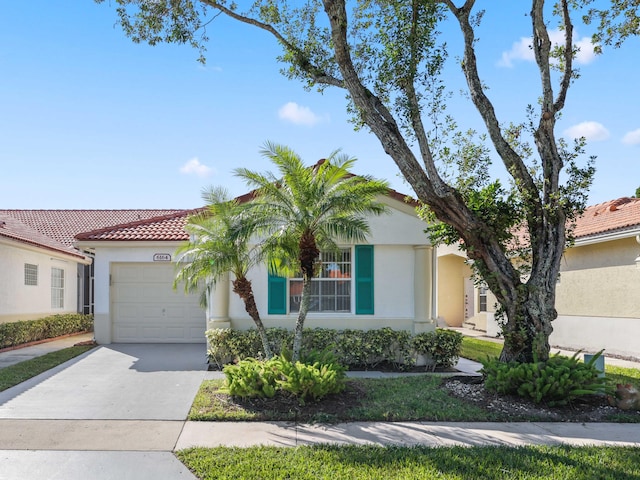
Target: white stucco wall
395	237
27	302
618	336
394	267
107	253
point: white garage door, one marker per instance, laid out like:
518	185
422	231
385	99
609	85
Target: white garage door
146	309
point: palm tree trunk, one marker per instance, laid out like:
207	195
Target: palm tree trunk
302	315
242	286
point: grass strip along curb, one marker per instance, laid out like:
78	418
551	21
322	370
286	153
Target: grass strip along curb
20	372
366	462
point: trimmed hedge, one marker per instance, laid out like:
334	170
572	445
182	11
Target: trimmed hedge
441	347
362	349
18	333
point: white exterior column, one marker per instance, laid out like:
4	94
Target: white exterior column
218	311
423	289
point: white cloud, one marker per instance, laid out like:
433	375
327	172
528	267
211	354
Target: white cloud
521	50
194	166
586	54
298	114
632	138
593	131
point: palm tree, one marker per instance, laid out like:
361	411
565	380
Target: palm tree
305	210
220	245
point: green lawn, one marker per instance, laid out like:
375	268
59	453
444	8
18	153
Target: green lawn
18	373
478	350
390	399
373	462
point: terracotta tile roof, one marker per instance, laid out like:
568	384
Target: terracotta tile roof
64	225
16	230
171	227
609	217
162	228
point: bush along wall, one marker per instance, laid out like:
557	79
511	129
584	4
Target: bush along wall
18	333
355	349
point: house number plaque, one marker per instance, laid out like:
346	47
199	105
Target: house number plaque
161	257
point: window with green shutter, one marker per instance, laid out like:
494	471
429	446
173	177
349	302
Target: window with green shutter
331	289
364	279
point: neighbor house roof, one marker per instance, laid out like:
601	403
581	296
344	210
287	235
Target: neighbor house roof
609	217
56	229
14	229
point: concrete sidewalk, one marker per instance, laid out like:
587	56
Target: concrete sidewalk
434	434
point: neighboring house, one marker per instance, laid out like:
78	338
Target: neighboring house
41	272
462	302
598	292
39	276
387	282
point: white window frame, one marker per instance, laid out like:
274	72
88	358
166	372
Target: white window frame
335	276
57	287
482	298
30	274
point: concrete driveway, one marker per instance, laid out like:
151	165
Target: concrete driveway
114	412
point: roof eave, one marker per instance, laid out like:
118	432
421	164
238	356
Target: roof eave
608	236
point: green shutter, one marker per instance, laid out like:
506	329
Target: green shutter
277	295
364	279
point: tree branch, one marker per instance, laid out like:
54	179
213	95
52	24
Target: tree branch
441	188
509	156
316	73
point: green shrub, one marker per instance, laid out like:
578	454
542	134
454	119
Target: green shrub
442	346
230	346
557	381
352	348
18	333
318	375
318	339
280	339
314	378
250	378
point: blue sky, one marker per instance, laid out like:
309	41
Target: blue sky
89	119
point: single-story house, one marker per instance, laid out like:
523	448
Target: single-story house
42	273
598	292
40	276
387	282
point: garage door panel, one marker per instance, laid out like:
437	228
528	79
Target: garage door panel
146	308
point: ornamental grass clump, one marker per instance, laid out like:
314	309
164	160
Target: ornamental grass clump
557	381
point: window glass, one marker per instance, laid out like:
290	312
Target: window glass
30	274
57	287
330	289
482	299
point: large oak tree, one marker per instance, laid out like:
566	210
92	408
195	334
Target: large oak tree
388	56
